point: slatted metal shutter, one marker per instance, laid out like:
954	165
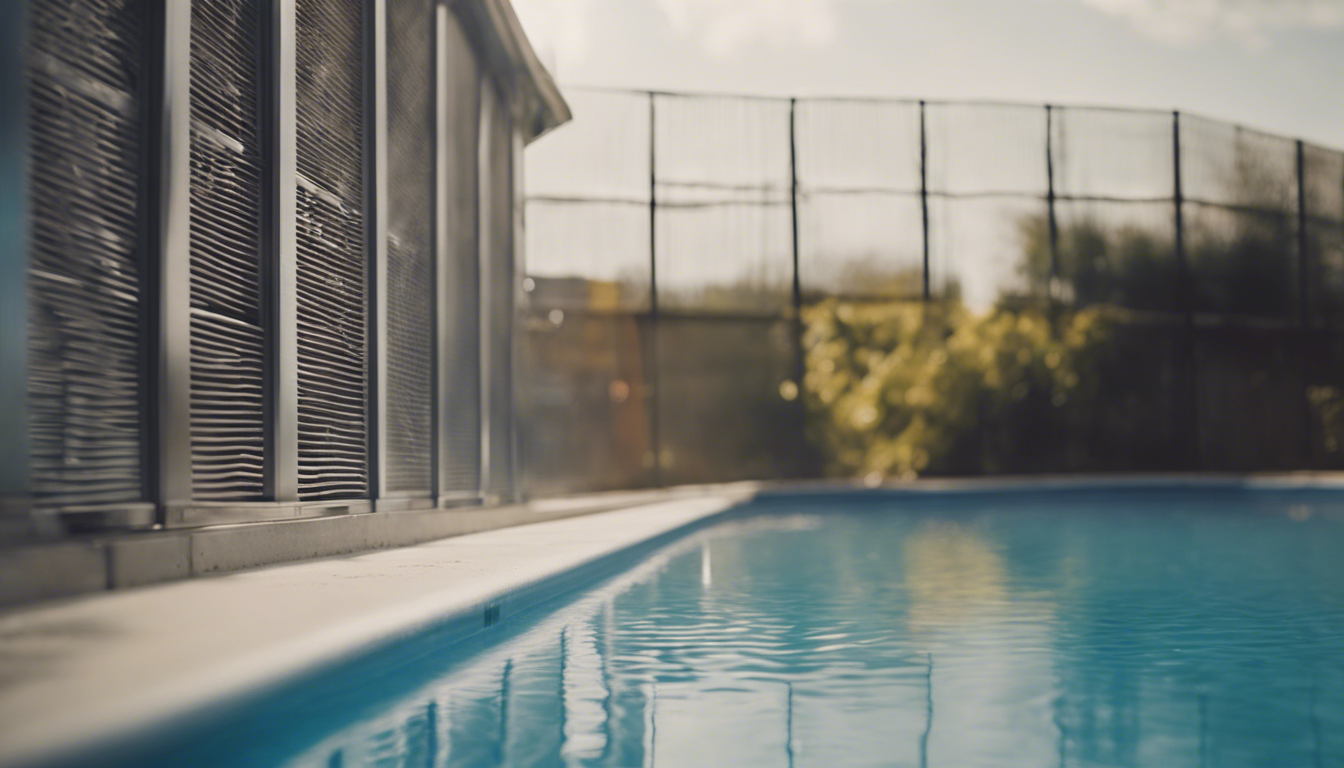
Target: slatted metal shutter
85	310
227	338
409	379
331	264
459	276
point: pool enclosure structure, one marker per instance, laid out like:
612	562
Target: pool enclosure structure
723	287
270	258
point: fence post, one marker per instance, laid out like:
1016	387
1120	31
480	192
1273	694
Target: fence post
1052	283
1185	300
1303	308
924	191
800	351
1302	255
654	384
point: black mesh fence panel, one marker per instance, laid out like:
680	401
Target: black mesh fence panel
1323	179
410	247
1240	219
1057	333
860	215
584	420
585	425
332	271
227	337
85	390
1115	215
722	412
987	183
723	234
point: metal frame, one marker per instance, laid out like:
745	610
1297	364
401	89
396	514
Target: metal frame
804	458
1185	299
1303	263
280	256
375	230
489	102
518	261
173	396
1053	282
924	193
654	383
442	244
437	238
15	480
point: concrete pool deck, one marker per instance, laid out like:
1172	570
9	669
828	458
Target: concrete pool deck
90	668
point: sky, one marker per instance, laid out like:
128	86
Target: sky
1275	65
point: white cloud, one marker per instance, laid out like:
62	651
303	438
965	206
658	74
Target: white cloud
561	30
558	29
1184	21
723	26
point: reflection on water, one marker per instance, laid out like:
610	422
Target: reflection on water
1149	632
1158	634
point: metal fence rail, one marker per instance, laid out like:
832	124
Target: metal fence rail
686	253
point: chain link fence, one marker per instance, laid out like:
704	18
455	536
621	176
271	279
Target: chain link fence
724	288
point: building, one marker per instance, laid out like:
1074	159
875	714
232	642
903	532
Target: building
261	263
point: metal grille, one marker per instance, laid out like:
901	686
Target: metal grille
459	341
410	252
227	339
331	264
85	322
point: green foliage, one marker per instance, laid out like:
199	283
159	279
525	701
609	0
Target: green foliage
904	388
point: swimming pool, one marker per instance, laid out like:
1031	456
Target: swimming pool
1125	626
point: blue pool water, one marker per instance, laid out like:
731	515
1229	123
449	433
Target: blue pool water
1134	628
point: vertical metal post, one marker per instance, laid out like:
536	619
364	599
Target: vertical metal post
280	254
799	349
518	253
924	191
375	183
485	252
441	386
1303	257
173	363
1186	301
655	418
1052	283
1303	308
15	483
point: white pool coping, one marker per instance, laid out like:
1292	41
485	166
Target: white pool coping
79	672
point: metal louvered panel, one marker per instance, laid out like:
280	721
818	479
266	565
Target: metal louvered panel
85	326
227	339
459	265
331	264
409	381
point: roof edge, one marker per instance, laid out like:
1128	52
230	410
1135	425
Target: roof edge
530	91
